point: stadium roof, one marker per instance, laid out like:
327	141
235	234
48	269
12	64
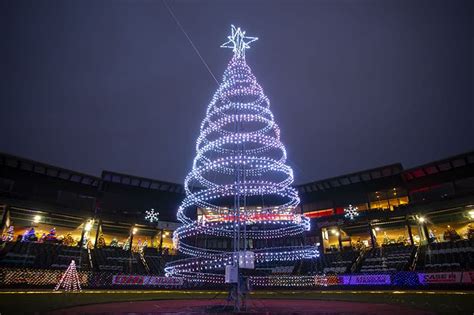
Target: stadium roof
353	178
48	170
142	182
320	185
440	166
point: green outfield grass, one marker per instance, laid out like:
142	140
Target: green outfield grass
442	302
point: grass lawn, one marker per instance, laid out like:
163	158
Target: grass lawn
442	302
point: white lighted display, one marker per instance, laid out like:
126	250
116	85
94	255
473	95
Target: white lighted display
70	279
238	153
152	216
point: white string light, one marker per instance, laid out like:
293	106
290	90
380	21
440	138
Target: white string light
70	279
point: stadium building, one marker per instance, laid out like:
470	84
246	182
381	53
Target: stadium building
385	219
410	219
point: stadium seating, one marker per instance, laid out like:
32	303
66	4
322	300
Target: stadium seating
282	270
117	260
450	255
445	256
18	254
338	262
393	257
42	255
154	260
67	253
55	256
307	267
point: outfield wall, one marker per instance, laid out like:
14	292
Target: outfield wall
36	278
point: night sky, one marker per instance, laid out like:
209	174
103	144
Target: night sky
93	85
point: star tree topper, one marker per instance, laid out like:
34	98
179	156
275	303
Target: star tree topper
238	42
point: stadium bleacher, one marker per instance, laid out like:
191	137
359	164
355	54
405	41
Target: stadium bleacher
457	255
117	259
42	255
154	260
336	263
393	257
282	270
67	253
414	207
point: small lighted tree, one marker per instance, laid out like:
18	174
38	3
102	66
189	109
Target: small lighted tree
70	279
10	234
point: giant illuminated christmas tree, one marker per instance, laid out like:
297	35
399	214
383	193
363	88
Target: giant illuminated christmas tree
240	184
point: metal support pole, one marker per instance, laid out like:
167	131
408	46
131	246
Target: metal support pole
6	219
410	234
131	239
339	238
160	247
426	232
99	227
321	242
83	233
373	240
237	188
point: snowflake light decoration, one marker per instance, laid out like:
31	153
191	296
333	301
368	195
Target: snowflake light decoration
152	216
351	212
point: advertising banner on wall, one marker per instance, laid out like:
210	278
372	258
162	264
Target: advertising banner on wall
331	280
468	277
370	280
439	277
146	280
344	280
